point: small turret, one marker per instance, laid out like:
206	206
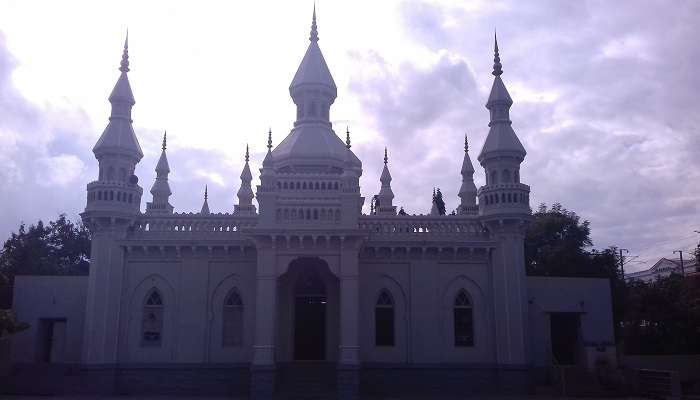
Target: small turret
467	192
205	205
245	192
386	195
161	188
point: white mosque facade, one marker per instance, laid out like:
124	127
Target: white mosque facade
305	286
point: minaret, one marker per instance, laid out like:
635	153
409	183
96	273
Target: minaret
161	189
205	205
386	195
505	212
113	208
117	152
467	192
245	193
502	155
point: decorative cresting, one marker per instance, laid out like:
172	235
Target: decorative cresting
116	192
503	195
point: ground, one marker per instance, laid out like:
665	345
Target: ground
368	398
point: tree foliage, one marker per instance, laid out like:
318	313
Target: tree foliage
9	323
59	248
556	242
439	202
663	317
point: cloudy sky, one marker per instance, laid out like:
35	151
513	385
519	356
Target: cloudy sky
606	100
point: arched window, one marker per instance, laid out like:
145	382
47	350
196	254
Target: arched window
463	320
152	322
232	325
384	320
494	178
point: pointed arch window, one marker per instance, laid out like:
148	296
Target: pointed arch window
384	319
232	325
463	320
152	321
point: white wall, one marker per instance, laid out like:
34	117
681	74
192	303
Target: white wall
193	287
37	297
424	291
588	296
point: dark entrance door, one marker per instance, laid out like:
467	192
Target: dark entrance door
310	317
565	333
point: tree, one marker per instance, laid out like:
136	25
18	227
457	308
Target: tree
555	243
61	248
9	323
439	202
663	317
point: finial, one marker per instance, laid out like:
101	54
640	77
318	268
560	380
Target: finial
206	192
466	143
124	65
165	139
497	67
314	30
347	137
386	158
269	139
247	155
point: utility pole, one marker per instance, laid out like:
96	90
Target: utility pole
681	253
622	262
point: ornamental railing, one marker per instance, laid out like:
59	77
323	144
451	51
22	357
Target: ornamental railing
179	224
412	226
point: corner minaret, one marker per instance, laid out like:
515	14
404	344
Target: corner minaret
245	192
205	205
112	212
502	155
505	213
117	151
467	192
386	195
161	188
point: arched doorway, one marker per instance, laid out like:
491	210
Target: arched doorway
310	302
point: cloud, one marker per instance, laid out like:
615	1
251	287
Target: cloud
605	103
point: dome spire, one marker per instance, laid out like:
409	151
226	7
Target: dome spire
165	137
314	30
269	139
386	157
124	65
497	67
347	137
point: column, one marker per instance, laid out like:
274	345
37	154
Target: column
262	374
510	304
349	351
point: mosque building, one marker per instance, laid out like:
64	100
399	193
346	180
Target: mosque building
299	291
